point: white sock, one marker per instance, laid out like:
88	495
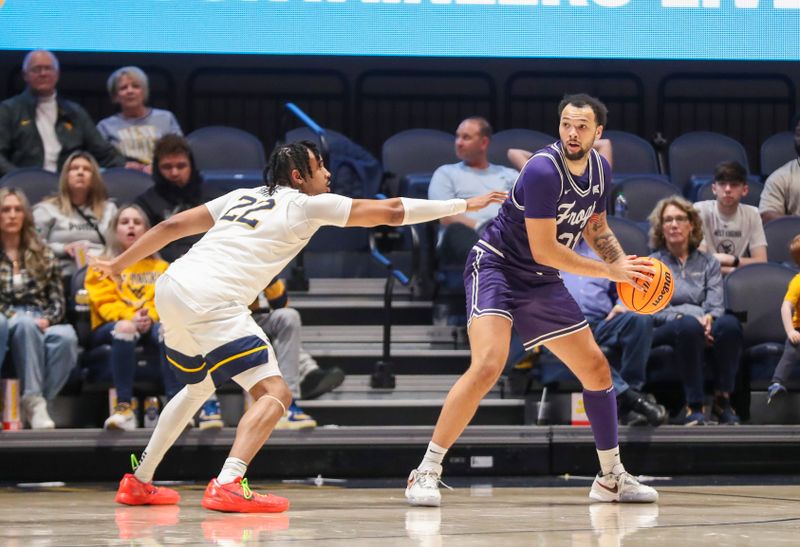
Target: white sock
433	459
610	462
171	423
232	468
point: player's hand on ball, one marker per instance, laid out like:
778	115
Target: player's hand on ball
479	202
631	269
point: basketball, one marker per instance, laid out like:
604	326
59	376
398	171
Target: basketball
657	294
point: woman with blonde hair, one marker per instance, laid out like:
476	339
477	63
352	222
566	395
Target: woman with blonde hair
31	305
123	313
695	318
73	222
135	129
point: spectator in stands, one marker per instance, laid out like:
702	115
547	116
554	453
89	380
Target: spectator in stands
136	128
178	187
732	231
519	157
790	316
40	129
629	333
781	194
472	176
123	313
31	306
74	221
695	317
282	325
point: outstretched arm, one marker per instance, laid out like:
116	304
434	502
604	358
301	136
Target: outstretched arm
194	221
368	213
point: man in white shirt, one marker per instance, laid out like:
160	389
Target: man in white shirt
781	195
472	176
731	230
40	129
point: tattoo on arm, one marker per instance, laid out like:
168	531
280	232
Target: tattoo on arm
596	221
607	247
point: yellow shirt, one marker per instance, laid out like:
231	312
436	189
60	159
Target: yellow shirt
111	302
793	296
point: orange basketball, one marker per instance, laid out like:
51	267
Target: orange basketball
657	292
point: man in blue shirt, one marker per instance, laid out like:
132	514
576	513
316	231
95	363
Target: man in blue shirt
630	334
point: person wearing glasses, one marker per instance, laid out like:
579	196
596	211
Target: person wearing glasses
40	129
695	318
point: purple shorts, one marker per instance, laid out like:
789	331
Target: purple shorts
540	309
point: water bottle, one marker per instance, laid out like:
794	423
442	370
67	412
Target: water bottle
621	206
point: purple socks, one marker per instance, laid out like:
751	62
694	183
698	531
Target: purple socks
601	409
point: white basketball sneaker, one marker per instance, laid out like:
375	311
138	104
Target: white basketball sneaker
423	488
621	487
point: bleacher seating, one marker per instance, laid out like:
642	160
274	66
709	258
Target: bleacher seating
756	292
697	153
641	194
632	155
631	235
417	151
221	147
776	151
779	234
125	185
34	182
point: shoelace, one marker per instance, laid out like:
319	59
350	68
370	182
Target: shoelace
246	489
425	478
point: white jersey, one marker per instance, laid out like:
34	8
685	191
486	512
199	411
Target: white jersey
254	237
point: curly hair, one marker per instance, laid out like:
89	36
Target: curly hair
98	194
657	239
31	248
285	159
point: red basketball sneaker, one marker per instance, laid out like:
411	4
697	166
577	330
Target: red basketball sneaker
132	491
236	497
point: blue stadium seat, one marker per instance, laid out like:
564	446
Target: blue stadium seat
698	153
776	151
779	233
417	151
525	139
34	182
631	235
756	292
642	193
632	155
125	185
222	147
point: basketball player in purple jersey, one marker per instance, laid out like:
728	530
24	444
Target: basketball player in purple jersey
512	278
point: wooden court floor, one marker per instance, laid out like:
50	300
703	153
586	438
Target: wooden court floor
477	515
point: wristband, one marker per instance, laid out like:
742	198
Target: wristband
736	262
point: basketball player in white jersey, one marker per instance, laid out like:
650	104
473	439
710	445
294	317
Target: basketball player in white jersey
203	298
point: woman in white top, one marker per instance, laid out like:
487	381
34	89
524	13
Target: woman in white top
136	127
74	221
203	299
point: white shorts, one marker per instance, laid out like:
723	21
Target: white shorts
225	341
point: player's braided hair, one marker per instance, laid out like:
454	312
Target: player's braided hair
285	159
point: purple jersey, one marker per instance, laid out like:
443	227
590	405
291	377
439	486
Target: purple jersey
546	189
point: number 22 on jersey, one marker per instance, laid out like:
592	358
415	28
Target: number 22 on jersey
243	211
